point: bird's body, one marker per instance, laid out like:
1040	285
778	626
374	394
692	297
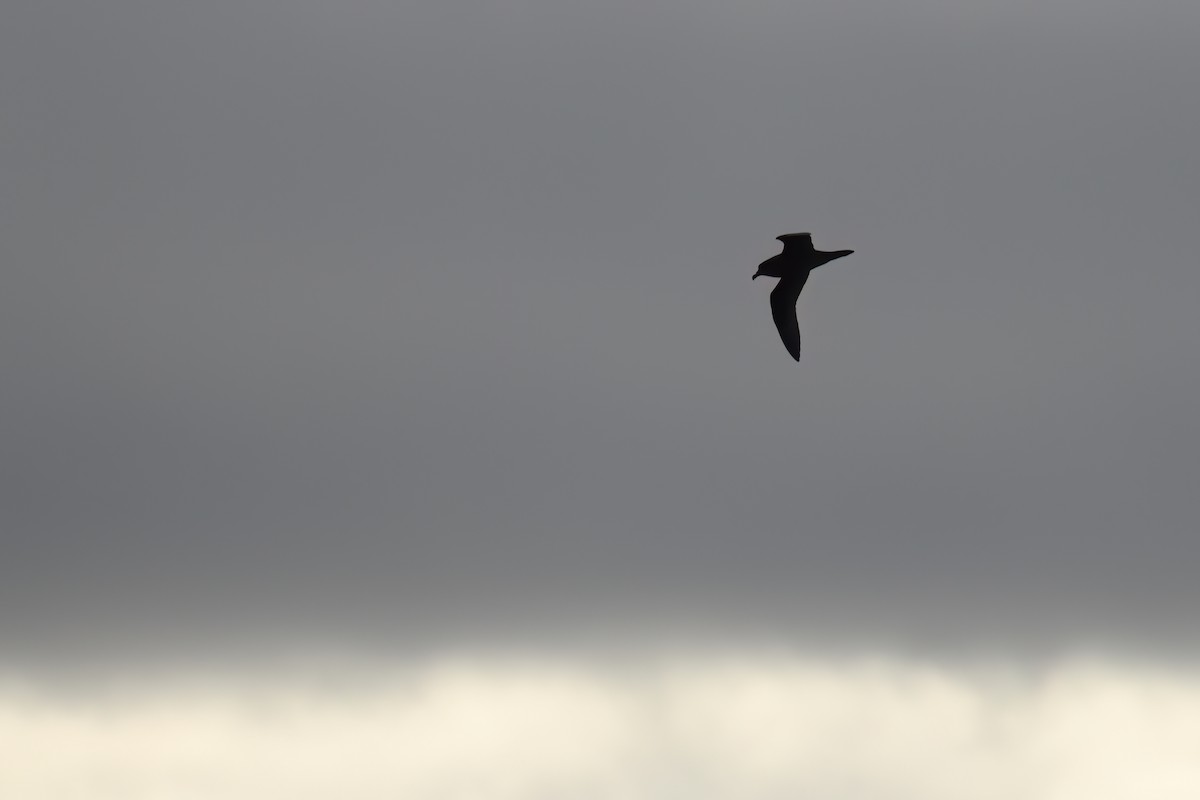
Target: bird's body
792	267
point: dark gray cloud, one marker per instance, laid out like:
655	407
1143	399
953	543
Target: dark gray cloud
388	323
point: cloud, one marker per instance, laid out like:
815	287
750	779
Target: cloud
700	726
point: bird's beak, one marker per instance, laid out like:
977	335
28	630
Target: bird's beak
755	275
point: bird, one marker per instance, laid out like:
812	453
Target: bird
792	266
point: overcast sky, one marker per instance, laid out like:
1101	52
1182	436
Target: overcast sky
413	345
394	324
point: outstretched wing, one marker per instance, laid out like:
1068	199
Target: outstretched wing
796	242
783	309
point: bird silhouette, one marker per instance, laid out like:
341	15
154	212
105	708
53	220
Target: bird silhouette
792	267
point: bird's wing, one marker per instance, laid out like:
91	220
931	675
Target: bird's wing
797	242
783	309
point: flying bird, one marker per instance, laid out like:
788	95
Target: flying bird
792	267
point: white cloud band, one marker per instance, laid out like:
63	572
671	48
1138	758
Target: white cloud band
701	728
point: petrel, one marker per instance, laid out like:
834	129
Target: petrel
792	267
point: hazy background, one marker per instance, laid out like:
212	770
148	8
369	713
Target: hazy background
410	328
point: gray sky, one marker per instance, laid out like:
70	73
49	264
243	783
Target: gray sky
393	323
